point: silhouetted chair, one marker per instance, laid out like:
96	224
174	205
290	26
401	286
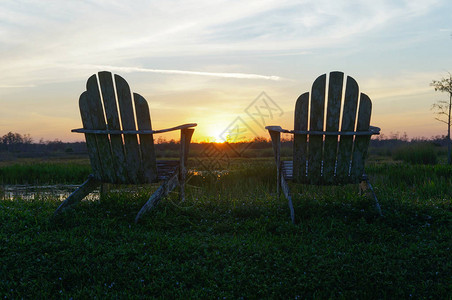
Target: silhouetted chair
323	153
119	152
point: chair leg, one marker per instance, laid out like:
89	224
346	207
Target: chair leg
104	189
87	187
292	211
279	179
182	175
366	187
161	192
286	191
185	138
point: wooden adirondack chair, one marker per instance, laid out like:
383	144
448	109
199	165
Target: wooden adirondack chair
119	152
327	155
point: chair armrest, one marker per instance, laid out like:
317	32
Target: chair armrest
180	127
277	129
275	135
95	131
374	130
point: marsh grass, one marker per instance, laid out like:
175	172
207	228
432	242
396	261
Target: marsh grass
232	238
44	172
417	153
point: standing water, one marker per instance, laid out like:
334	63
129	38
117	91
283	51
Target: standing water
32	192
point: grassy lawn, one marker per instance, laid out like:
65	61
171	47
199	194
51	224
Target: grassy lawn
232	238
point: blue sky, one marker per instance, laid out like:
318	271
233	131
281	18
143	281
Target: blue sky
206	61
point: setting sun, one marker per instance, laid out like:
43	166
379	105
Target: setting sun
214	133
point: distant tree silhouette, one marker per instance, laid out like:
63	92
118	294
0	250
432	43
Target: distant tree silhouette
12	139
443	108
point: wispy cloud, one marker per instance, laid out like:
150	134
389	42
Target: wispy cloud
3	86
111	30
409	85
181	72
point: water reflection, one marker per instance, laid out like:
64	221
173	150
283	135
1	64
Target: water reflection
206	173
32	192
62	191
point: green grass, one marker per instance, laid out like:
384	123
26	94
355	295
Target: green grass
42	172
232	238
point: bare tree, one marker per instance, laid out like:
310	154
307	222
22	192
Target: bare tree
443	108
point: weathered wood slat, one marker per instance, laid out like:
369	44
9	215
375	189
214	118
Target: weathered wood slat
148	159
167	163
167	172
113	123
163	165
91	143
287	170
315	146
348	124
134	170
361	142
94	108
288	176
300	146
288	165
335	84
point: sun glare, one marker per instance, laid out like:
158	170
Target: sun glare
214	134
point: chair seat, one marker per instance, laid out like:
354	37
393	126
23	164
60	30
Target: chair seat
166	168
287	169
287	173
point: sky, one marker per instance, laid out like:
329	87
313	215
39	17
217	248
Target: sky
212	62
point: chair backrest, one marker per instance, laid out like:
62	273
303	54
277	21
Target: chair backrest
117	158
331	159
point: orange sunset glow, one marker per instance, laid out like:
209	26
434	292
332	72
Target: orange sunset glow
206	63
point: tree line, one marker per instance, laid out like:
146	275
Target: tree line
24	145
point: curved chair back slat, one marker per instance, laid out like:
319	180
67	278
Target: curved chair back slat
331	159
